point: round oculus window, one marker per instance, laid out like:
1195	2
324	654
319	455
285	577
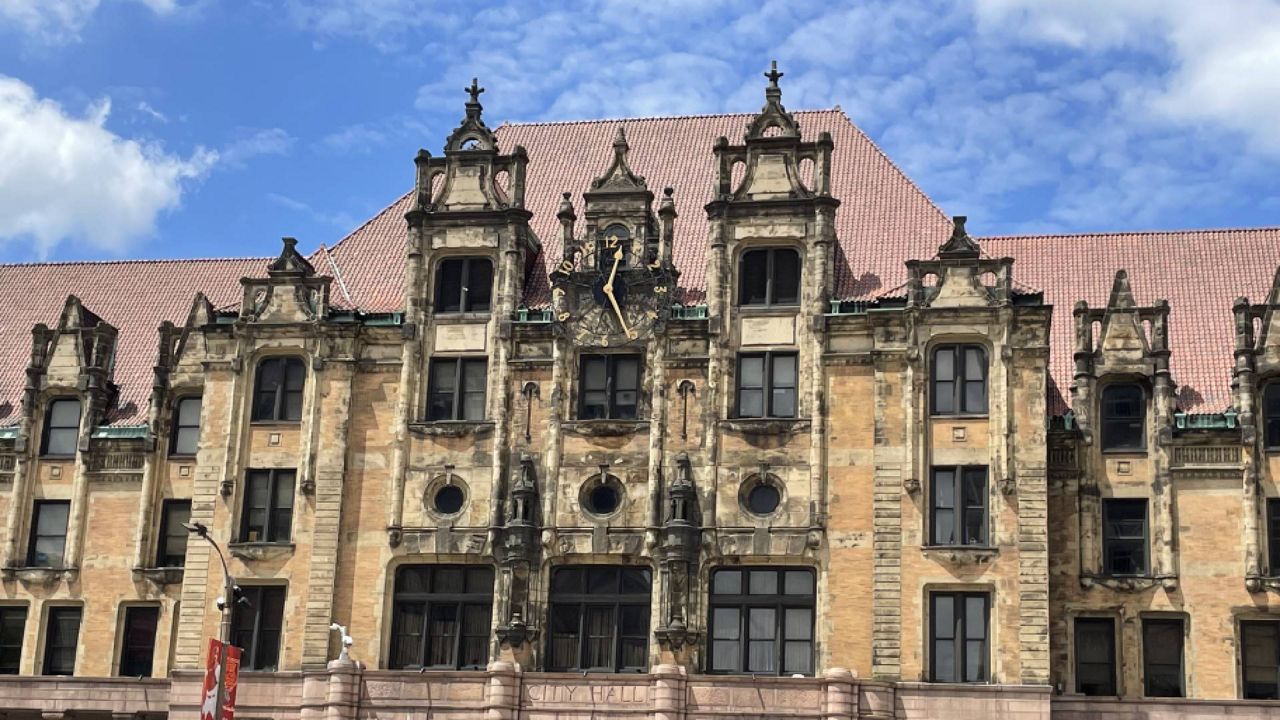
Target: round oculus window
603	499
449	499
763	499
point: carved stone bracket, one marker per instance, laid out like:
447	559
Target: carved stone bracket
260	551
515	633
1129	584
606	428
911	485
226	487
452	428
962	555
675	635
1008	485
159	576
307	486
395	536
765	426
1259	583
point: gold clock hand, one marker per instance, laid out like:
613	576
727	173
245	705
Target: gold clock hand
608	291
617	259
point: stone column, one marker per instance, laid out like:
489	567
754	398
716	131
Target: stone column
343	698
501	695
668	692
841	702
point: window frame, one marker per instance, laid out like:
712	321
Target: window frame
127	613
251	657
1109	541
779	602
585	600
8	619
959	380
280	406
1243	652
960	634
1108	420
461	601
459	393
176	427
771	277
959	509
1271	414
270	524
47	661
34	535
49	428
1272	512
1147	655
768	388
464	300
1113	663
610	390
166	532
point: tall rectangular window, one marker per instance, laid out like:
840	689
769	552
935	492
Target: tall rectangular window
268	506
769	276
48	544
959	506
1124	537
1273	536
171	544
456	389
1260	659
958	632
256	629
1271	415
1124	411
767	385
138	641
1162	657
13	626
609	387
762	621
464	285
441	617
277	390
185	436
599	618
62	635
61	428
1096	656
959	375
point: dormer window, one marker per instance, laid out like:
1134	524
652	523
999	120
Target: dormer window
277	390
464	285
185	437
1271	415
769	276
61	428
959	375
1124	410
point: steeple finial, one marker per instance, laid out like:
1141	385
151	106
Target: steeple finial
773	117
773	75
475	90
620	140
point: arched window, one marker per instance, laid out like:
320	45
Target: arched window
464	285
61	428
959	375
614	238
1271	415
769	276
1124	410
277	390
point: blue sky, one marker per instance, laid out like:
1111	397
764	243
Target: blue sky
182	128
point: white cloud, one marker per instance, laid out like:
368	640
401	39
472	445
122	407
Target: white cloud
145	108
1222	57
68	178
60	21
382	23
253	143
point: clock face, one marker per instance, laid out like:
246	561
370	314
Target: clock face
610	293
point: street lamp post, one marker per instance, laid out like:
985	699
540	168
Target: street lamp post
224	607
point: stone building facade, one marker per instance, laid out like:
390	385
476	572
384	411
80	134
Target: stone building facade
765	435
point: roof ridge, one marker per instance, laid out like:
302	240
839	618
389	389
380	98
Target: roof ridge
134	261
651	118
1132	233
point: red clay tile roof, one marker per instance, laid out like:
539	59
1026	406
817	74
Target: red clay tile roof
882	221
1200	273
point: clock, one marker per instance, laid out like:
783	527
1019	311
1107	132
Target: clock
607	292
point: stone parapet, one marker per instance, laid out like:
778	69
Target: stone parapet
1085	708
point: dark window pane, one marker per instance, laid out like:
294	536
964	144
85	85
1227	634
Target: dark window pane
1271	414
1162	657
13	623
726	582
1123	417
479	284
278	389
754	278
798	582
62	428
599	619
565	639
1273	535
1095	656
1260	659
763	499
61	639
786	277
762	582
609	387
958	637
408	622
48	533
138	641
449	283
172	542
1124	542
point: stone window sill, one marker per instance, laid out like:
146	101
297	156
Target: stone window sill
766	426
961	554
606	428
39	575
1129	583
260	550
1263	583
161	575
452	428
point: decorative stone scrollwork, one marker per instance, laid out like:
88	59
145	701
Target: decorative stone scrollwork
395	536
911	485
962	555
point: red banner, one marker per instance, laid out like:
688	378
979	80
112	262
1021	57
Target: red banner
214	669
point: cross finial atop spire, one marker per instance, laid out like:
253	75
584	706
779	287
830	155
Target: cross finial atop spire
773	74
475	90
